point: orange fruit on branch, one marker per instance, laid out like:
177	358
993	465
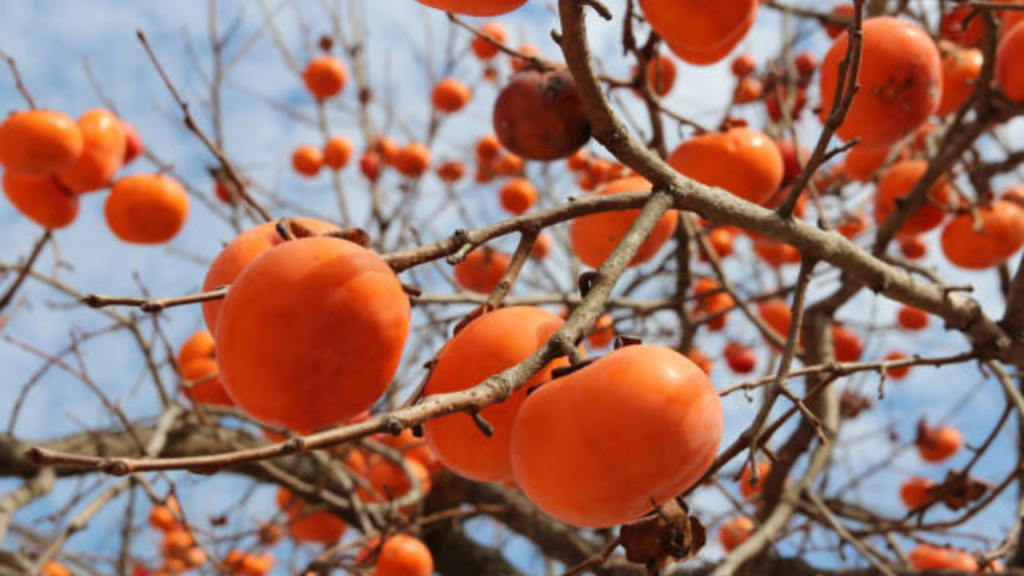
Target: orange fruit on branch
39	141
475	7
41	198
146	208
103	153
988	242
539	115
743	161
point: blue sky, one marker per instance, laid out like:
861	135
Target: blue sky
51	38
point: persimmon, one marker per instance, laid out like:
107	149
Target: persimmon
194	557
311	333
270	534
898	181
386	147
475	7
146	208
661	74
413	160
403	555
741	359
996	235
853	225
102	154
488	345
579	160
488	147
337	152
162	518
806	63
794	157
911	318
518	195
307	160
928	557
844	11
602	445
411	447
369	165
244	250
914	492
206	387
450	95
509	165
955	26
133	144
1009	62
913	247
390	481
861	163
485	49
257	564
451	172
777	315
721	240
900	78
900	372
41	198
39	141
177	540
482	269
325	76
961	68
697	31
735	532
595	236
748	89
742	161
542	246
54	568
526	49
603	332
938	444
539	115
847	345
743	65
199	345
749	489
306	524
774	253
777	96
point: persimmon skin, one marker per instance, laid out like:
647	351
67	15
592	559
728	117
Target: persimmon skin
747	490
41	198
743	161
450	95
927	557
914	492
146	208
309	526
413	160
475	7
1009	62
961	68
735	532
208	388
311	333
337	152
912	319
242	251
539	115
940	444
403	555
601	446
389	480
898	181
595	236
862	164
900	77
103	153
518	195
488	345
39	141
481	270
1001	236
325	76
698	31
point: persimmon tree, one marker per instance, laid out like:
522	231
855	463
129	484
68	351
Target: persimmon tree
541	316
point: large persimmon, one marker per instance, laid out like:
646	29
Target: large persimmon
146	208
595	236
900	81
306	524
244	250
602	445
311	333
475	7
102	156
699	31
488	345
539	115
898	181
743	161
39	141
988	242
41	198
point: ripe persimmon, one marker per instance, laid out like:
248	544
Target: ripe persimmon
451	172
403	555
900	79
897	373
475	7
898	181
311	333
199	345
748	89
542	246
412	448
390	481
774	253
961	68
862	163
735	532
146	208
938	444
369	165
307	160
911	318
985	242
845	11
205	385
325	76
133	144
54	568
102	154
450	95
488	345
602	445
743	65
661	74
741	359
913	247
483	48
603	332
595	236
39	141
488	147
1009	62
777	315
847	345
242	251
518	195
41	198
482	269
413	160
306	524
337	152
539	115
749	489
914	492
928	557
256	564
740	160
697	31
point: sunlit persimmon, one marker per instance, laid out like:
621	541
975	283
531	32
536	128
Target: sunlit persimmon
162	518
307	160
721	240
484	49
900	81
475	7
539	115
595	236
700	32
39	141
898	181
403	555
740	359
146	208
337	152
579	160
897	373
311	333
1009	62
386	147
325	76
751	489
603	332
777	315
914	492
413	160
194	557
450	95
509	164
928	557
844	11
518	195
961	68
41	198
735	532
911	318
244	250
606	443
542	246
205	385
308	524
938	444
986	241
177	540
956	27
482	269
806	63
102	154
742	161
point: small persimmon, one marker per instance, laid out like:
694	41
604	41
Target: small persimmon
913	319
542	246
102	153
928	557
146	208
54	568
450	95
914	492
603	332
740	359
307	160
488	147
900	372
413	160
898	181
961	68
482	269
985	242
938	444
205	386
403	555
913	247
735	532
749	489
337	152
518	195
483	48
307	524
391	481
743	65
133	144
844	11
39	141
451	172
325	76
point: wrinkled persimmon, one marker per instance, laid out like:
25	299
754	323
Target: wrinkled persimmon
985	242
